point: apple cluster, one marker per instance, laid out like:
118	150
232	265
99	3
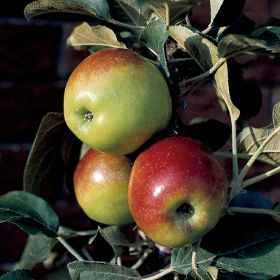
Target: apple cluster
175	190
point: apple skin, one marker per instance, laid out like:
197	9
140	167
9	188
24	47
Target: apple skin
177	191
115	100
100	186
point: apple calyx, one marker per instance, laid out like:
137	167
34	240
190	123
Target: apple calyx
88	116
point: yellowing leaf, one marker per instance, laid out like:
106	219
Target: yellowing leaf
85	35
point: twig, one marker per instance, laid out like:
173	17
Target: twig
70	249
167	13
261	177
253	211
194	264
252	160
142	259
160	274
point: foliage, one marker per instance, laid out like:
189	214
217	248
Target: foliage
162	32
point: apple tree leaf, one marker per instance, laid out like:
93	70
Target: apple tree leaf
181	259
37	249
61	273
262	41
224	12
250	139
114	237
17	275
129	12
176	9
246	244
44	166
96	8
154	36
86	36
29	212
206	56
102	271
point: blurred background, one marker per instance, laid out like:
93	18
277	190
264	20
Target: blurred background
34	66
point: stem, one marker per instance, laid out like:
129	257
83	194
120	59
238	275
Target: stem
261	177
70	249
159	274
209	72
251	161
167	13
194	264
253	211
142	259
234	149
229	155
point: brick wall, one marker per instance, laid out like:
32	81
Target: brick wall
34	66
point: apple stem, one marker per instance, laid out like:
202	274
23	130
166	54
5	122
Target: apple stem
160	274
275	213
70	249
194	264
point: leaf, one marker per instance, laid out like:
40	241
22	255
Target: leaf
181	259
29	212
85	36
250	138
37	249
224	12
250	239
264	41
257	262
44	165
60	273
96	8
102	271
129	12
206	56
154	36
17	275
114	237
176	9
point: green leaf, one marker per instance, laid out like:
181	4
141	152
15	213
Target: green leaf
96	8
44	163
206	56
29	212
257	262
85	36
60	273
128	12
181	259
114	236
250	239
263	41
102	271
17	275
37	249
154	36
224	12
250	138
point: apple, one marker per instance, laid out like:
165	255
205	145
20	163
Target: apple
115	100
100	186
177	191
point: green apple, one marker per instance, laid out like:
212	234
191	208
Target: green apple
115	100
177	191
100	185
